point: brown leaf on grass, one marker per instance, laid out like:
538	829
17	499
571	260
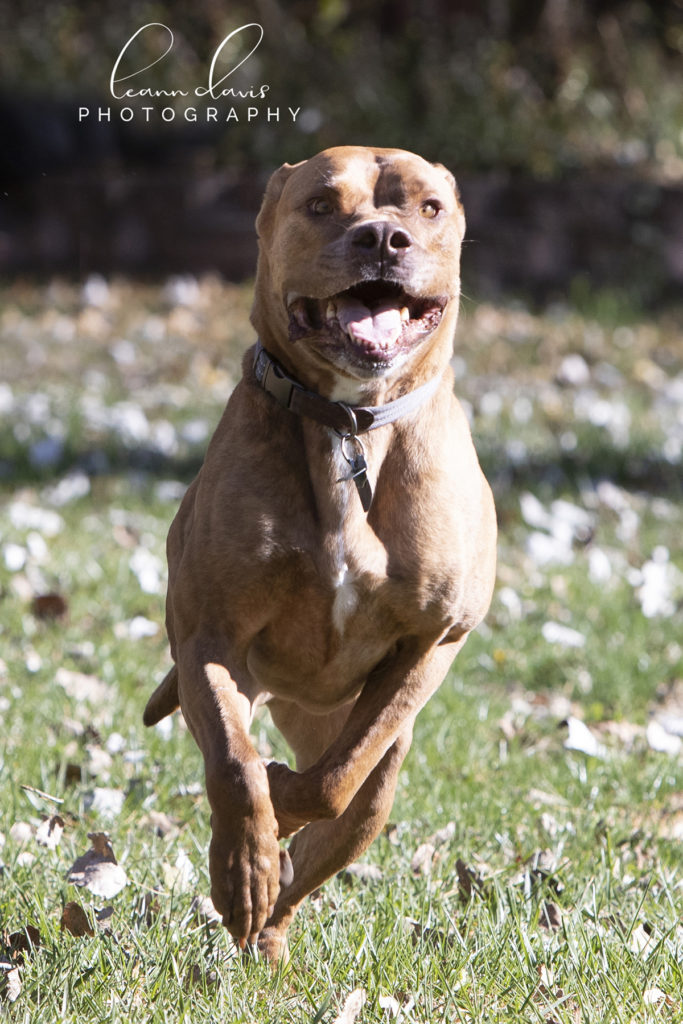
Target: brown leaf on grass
148	908
540	869
10	981
430	936
550	917
207	979
443	835
75	921
161	824
391	832
23	942
49	606
103	917
73	774
352	1006
423	859
49	832
98	869
469	881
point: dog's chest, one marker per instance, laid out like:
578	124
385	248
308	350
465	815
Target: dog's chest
335	612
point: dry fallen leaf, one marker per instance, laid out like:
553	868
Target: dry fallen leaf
362	873
82	687
21	832
23	942
49	832
443	835
423	859
11	987
103	918
75	920
180	876
98	869
105	801
429	936
468	881
352	1007
391	1005
148	908
654	996
643	940
49	606
161	823
207	979
550	917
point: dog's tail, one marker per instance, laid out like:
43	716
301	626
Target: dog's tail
164	701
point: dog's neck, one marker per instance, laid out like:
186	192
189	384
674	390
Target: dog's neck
347	421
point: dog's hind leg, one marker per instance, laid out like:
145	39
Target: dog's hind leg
323	848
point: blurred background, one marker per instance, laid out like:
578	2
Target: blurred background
562	119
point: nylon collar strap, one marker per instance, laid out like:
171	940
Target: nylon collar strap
347	420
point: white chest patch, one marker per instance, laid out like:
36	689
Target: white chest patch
345	598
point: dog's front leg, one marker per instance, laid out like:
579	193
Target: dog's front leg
244	861
387	705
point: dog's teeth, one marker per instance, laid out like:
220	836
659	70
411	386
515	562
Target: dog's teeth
405	314
331	311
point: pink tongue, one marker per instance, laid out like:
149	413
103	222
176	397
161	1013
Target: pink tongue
380	327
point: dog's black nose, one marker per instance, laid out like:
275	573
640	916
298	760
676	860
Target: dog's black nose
382	238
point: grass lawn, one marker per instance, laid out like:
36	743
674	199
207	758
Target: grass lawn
531	870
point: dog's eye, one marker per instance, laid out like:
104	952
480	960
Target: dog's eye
320	206
430	209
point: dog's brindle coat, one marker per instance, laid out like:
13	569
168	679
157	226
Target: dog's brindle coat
282	588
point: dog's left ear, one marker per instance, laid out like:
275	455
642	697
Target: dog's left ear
454	185
276	184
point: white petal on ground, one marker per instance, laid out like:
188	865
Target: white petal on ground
15	557
563	636
148	569
353	1005
581	738
82	687
661	583
104	801
73	486
659	739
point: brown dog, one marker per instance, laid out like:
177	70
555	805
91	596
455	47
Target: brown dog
338	544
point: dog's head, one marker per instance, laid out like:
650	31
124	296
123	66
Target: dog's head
359	263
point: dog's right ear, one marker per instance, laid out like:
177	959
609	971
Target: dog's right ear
276	184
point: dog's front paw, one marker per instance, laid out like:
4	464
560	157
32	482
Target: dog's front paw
244	864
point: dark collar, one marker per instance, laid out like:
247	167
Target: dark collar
348	421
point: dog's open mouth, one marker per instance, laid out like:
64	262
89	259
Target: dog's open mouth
373	321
